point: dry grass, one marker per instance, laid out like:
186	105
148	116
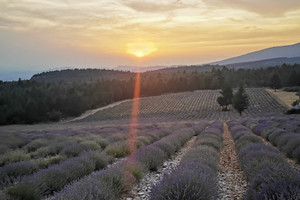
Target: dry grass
286	98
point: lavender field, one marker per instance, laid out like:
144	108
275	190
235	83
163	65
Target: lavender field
200	104
185	148
149	100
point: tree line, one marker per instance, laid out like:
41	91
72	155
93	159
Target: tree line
31	101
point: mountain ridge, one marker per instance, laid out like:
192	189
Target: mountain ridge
288	51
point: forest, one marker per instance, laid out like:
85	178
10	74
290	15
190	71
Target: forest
35	100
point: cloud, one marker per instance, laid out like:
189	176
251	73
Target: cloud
150	6
63	14
178	28
270	8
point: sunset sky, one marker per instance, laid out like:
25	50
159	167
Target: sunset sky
45	34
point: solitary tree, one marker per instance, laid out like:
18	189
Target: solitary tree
241	100
226	99
275	82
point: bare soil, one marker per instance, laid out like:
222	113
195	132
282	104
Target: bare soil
231	180
142	190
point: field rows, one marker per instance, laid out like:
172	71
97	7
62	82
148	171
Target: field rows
83	173
82	152
191	105
114	182
268	173
78	160
283	133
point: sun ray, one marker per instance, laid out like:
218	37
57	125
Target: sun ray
133	131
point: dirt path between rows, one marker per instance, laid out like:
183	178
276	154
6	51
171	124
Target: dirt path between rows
290	161
91	112
231	180
142	190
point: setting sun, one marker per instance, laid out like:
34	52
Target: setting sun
141	49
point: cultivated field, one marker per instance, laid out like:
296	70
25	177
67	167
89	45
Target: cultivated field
191	105
287	98
186	148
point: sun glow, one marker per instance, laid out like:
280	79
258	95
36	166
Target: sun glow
141	49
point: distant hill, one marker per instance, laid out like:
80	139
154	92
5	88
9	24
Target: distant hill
288	51
71	75
243	65
141	69
14	75
265	63
187	69
275	56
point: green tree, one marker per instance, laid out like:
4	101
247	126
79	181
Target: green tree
275	82
226	99
240	100
293	78
218	79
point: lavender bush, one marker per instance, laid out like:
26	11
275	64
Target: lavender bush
280	190
283	140
13	156
195	177
255	148
152	157
117	137
268	173
291	145
245	140
186	183
72	150
166	146
274	137
274	130
90	145
254	162
107	184
202	152
17	169
46	162
54	178
269	176
118	149
112	183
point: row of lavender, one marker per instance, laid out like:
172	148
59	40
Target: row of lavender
43	141
53	178
118	180
282	133
62	151
267	171
196	176
65	141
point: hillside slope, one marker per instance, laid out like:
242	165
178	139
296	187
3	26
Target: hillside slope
70	75
199	104
288	51
265	63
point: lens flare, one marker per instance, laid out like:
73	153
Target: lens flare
133	132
